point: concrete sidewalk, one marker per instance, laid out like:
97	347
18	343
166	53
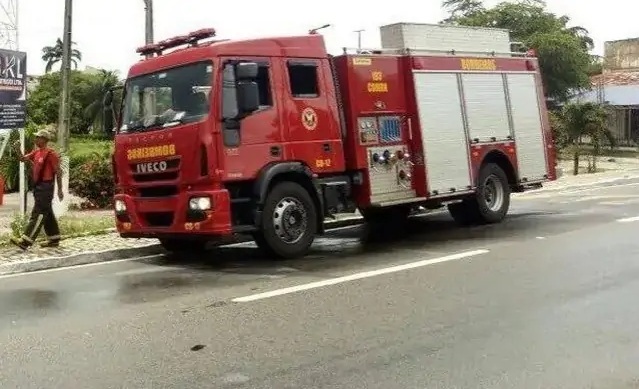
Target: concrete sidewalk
110	246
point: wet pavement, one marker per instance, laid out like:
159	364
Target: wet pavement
551	304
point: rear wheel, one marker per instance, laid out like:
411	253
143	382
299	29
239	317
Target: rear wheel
289	222
491	201
183	246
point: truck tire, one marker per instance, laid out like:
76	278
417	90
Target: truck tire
289	222
491	201
183	246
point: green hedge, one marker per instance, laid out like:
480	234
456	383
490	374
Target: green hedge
91	178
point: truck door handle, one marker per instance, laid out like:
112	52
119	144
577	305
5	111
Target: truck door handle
327	147
275	151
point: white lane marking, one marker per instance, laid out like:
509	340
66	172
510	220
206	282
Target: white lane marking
541	237
358	276
628	219
79	266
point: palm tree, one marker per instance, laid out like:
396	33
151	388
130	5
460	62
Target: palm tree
586	120
53	54
107	80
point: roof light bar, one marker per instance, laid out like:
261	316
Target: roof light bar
192	38
203	33
173	42
148	49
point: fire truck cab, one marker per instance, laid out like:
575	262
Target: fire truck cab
271	136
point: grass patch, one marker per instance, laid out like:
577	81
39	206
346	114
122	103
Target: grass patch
70	226
80	147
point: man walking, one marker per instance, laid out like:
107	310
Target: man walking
46	169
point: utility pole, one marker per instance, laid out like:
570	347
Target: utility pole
359	39
149	99
148	29
64	112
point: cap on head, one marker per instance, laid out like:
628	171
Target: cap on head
44	134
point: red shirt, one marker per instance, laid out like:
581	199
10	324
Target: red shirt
49	169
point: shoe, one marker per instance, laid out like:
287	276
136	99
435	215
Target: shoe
20	243
50	244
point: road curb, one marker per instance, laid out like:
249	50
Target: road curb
78	259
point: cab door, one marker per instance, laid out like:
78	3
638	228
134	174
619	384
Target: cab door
245	150
311	120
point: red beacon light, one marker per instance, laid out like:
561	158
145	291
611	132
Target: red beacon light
191	39
148	49
173	42
198	35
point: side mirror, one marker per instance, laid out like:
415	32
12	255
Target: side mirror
246	71
248	97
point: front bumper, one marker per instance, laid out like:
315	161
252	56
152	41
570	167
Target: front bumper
157	217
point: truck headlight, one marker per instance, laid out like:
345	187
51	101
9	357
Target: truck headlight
200	204
120	206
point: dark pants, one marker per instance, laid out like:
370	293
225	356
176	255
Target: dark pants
42	214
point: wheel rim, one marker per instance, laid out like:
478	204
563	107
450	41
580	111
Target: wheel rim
290	220
493	193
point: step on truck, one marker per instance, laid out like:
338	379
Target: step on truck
274	136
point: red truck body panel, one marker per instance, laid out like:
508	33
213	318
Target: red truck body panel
360	79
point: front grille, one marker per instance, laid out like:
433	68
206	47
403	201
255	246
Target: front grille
158	219
166	176
158	191
171	173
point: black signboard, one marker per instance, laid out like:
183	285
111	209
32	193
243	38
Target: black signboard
13	89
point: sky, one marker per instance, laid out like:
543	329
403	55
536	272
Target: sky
108	32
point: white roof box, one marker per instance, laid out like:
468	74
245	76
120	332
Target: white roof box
445	38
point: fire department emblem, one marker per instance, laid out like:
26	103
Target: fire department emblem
309	119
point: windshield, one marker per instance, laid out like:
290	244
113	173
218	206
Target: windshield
172	96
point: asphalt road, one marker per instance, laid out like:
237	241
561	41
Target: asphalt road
546	299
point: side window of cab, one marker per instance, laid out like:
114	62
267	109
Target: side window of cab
303	78
264	85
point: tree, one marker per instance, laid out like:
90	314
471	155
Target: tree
53	54
590	120
459	8
563	63
87	92
104	81
596	65
562	49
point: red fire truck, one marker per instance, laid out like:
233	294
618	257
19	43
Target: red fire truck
272	137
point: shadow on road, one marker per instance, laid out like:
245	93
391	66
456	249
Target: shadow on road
355	244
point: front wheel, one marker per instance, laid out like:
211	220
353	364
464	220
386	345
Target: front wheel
289	222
